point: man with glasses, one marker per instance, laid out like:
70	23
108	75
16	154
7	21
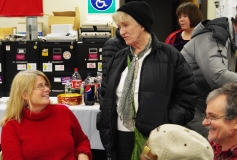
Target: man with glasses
211	56
221	121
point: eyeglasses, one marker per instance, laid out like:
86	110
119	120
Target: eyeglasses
42	86
211	118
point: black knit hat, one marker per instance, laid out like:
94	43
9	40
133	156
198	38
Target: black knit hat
140	11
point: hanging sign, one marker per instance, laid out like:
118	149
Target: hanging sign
101	6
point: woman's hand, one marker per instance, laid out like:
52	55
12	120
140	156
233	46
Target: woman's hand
142	157
83	156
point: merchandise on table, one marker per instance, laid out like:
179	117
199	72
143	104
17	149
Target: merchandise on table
70	99
76	81
68	87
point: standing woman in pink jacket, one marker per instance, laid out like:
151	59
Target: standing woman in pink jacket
189	15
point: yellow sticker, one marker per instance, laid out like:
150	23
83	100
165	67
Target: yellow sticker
35	47
45	52
44	66
28	67
71	47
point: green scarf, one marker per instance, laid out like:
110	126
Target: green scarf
126	108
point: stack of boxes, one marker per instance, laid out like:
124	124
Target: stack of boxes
66	17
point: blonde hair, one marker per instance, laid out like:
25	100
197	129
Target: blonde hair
23	83
120	16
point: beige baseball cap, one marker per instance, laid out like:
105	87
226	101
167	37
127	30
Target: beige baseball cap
175	142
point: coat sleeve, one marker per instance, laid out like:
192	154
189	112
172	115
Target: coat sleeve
216	64
104	80
11	144
185	93
82	143
109	49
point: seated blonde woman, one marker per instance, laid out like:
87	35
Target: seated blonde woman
32	128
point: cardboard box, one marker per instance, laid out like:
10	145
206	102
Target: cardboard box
65	17
21	28
5	32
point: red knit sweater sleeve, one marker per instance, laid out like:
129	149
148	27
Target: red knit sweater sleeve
11	140
82	143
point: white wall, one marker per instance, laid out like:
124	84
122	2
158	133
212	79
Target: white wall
50	6
211	11
227	8
69	5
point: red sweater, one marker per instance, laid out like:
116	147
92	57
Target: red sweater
52	134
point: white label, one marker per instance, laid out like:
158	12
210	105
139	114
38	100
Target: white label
31	66
21	67
91	65
59	67
57	79
8	48
47	67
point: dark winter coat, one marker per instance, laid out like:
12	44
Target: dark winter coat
112	46
167	93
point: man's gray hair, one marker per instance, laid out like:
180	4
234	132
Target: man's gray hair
230	91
